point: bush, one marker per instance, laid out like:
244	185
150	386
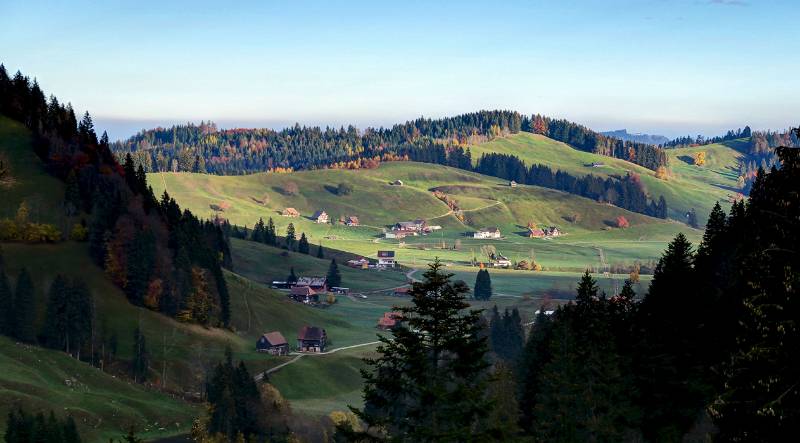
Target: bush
344	189
78	232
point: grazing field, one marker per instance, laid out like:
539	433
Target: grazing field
689	186
102	406
487	202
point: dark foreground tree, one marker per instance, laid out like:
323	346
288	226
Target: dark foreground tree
302	245
22	427
761	399
24	308
429	382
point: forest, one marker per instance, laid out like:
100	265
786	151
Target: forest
163	258
204	148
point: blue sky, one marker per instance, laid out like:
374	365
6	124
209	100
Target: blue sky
659	66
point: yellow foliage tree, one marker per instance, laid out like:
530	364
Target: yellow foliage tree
700	158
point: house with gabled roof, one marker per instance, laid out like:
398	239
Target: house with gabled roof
351	220
319	284
290	212
492	232
273	343
304	294
311	339
320	217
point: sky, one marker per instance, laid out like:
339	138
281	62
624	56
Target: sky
670	67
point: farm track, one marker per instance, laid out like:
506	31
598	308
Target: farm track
298	356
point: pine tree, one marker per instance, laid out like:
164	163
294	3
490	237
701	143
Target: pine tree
290	237
429	381
271	236
302	246
7	303
320	254
54	331
24	309
334	277
141	360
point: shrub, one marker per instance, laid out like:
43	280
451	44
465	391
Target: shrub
344	189
78	232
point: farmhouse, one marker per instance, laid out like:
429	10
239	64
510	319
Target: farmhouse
273	343
512	183
418	225
304	294
501	262
395	234
390	320
290	212
552	231
351	221
386	259
487	233
311	339
361	263
319	284
535	233
320	217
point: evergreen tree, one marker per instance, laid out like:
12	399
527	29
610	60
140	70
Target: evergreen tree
671	378
691	218
141	359
55	324
334	277
320	254
535	355
290	237
429	381
271	236
7	302
302	246
24	309
292	277
483	285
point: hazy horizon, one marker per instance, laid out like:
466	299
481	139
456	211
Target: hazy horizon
668	67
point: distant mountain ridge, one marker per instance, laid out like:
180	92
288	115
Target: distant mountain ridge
624	135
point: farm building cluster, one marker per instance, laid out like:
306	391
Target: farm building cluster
409	228
309	339
307	290
322	217
546	232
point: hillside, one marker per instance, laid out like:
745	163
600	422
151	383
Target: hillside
103	406
486	201
689	186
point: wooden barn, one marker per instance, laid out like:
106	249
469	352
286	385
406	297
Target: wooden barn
273	343
311	339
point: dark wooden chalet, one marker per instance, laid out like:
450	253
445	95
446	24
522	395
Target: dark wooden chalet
274	343
311	339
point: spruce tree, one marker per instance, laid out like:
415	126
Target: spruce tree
54	330
429	380
24	309
291	239
7	303
141	359
271	236
334	277
320	254
302	245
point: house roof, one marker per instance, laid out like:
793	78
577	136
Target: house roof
319	214
492	229
385	254
314	282
403	290
387	321
275	338
290	211
310	333
406	224
302	290
419	221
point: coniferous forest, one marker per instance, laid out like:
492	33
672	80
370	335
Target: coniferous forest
163	258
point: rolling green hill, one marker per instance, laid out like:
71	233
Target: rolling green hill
486	201
689	186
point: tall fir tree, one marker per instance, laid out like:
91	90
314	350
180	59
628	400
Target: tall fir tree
483	285
320	253
429	381
302	245
24	308
7	302
334	276
291	238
